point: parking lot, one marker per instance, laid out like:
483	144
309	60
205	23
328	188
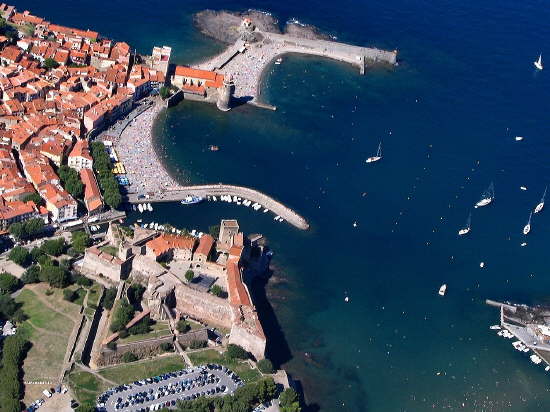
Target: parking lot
164	391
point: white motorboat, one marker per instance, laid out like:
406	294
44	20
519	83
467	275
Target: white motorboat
519	138
538	63
442	290
140	208
466	230
149	207
527	227
494	327
266	210
535	359
134	208
156	226
487	196
378	156
539	207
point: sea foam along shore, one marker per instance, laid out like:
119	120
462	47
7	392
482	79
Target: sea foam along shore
144	165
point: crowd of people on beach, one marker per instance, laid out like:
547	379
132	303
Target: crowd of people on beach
247	68
144	168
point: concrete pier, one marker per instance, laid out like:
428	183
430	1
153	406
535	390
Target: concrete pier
221	189
246	62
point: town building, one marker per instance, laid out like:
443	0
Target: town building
168	246
80	157
15	211
92	194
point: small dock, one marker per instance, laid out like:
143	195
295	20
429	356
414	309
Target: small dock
220	189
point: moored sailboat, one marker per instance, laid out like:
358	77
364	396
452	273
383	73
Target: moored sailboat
378	156
487	196
538	63
539	207
527	227
466	229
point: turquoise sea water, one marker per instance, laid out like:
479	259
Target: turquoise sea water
465	87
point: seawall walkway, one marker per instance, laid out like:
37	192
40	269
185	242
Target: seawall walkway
221	189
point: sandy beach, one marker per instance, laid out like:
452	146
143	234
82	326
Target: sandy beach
136	151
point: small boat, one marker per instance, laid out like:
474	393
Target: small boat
539	207
482	265
140	208
134	208
487	196
519	138
279	60
266	210
538	63
346	299
149	207
535	359
494	327
442	290
378	156
156	226
191	200
523	187
523	244
527	227
466	230
213	148
139	220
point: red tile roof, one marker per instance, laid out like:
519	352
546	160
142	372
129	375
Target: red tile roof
205	245
238	294
165	242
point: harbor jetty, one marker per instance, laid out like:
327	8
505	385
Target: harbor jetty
530	325
255	40
228	190
246	61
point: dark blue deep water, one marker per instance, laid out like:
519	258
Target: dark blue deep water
447	117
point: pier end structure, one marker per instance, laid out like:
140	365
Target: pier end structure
356	55
220	189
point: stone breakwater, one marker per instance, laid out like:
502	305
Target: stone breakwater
148	175
247	62
221	189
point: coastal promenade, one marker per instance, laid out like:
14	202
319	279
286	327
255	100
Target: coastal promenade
247	62
221	189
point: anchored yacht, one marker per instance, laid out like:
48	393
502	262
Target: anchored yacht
487	196
527	227
378	156
539	207
466	229
538	63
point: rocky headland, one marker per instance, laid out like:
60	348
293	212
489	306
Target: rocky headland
223	25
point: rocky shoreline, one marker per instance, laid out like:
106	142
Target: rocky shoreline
222	25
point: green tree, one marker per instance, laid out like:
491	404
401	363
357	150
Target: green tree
164	92
17	230
69	295
141	328
71	181
216	290
8	282
236	352
34	197
265	366
80	241
36	253
34	227
31	275
8	307
189	275
54	247
289	401
109	298
107	181
123	313
19	255
214	231
56	276
135	294
182	326
50	63
83	281
129	357
11	389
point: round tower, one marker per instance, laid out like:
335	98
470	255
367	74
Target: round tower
224	94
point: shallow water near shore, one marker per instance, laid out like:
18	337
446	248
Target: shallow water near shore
464	89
